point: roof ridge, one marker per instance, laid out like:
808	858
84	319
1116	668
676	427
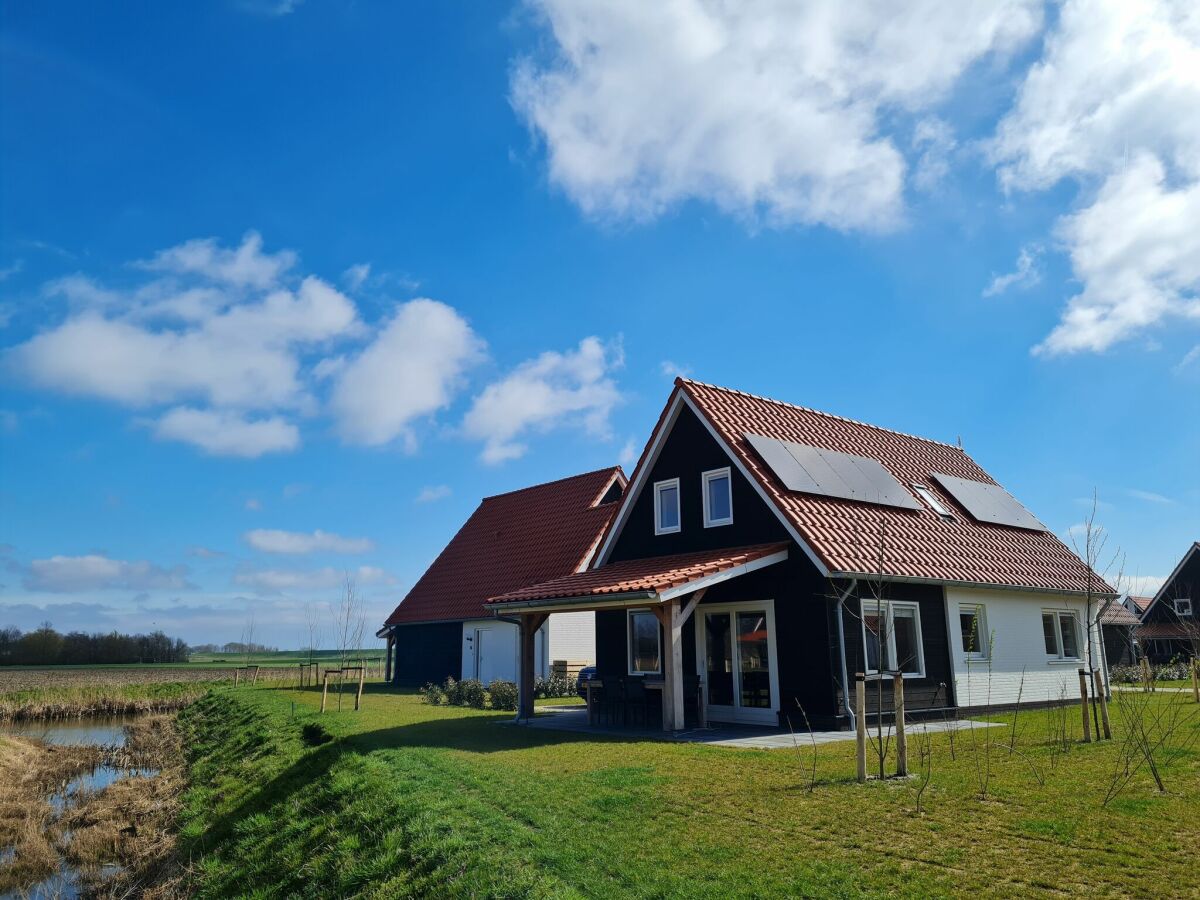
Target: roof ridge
819	412
609	469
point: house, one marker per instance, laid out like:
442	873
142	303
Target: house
1119	627
764	553
1170	625
442	629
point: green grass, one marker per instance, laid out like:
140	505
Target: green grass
403	799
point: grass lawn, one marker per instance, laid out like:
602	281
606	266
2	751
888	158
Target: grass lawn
403	799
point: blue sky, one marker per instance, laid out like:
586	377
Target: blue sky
287	287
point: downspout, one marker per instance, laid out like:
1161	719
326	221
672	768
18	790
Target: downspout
842	651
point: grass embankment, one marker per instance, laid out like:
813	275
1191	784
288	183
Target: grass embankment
404	799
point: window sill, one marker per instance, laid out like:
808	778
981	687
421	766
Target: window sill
1076	661
661	531
718	524
877	676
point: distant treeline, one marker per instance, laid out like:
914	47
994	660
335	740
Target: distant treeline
46	647
233	647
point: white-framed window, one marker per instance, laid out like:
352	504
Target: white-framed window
932	501
892	637
1060	628
972	622
666	506
644	642
1183	607
717	489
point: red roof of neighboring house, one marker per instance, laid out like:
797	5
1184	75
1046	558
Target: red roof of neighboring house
1168	631
510	541
1142	603
918	544
1116	614
654	575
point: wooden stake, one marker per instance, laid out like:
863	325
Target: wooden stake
236	675
1196	680
1083	702
901	739
860	718
358	696
324	691
1102	696
255	681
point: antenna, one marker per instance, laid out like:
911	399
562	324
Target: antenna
960	446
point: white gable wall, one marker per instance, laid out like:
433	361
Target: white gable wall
573	636
1018	652
499	643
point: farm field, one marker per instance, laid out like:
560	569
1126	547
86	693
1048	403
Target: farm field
404	799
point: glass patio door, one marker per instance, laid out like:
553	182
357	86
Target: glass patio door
738	652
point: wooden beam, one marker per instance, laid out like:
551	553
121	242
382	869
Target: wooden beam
530	623
673	719
691	605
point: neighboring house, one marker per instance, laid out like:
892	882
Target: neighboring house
1119	627
1136	605
1171	621
768	552
442	629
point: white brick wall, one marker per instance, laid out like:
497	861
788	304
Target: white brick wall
573	636
1018	649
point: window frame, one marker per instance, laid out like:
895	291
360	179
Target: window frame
1190	609
980	610
923	491
629	614
659	486
884	611
1057	615
705	478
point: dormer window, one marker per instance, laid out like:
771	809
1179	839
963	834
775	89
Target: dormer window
1183	607
931	501
717	488
666	506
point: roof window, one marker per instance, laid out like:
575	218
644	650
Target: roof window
933	502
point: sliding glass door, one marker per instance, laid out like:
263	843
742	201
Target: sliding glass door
736	650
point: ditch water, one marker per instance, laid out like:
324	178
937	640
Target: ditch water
108	731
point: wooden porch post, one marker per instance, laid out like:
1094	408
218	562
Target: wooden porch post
530	623
673	719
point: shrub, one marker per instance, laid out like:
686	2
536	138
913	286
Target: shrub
432	694
471	693
554	686
453	691
504	694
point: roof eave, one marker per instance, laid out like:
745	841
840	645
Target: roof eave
563	604
973	585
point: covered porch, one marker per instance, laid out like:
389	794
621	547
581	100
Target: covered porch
669	588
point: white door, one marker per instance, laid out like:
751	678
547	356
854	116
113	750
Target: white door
735	651
482	650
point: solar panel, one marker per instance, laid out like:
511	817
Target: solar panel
828	473
989	502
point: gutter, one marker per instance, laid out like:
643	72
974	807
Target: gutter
557	604
842	651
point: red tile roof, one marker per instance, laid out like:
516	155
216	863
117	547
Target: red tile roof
1142	603
918	544
510	541
1116	614
1168	631
652	575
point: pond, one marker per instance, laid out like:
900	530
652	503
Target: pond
108	731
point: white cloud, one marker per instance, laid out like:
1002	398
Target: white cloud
253	504
12	269
554	390
1189	358
935	141
1114	104
1137	251
673	370
243	266
269	581
77	574
1148	496
297	542
221	433
355	275
412	369
629	454
433	492
1026	274
204	552
760	110
1143	585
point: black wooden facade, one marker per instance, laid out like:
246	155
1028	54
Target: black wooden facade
1166	633
805	604
428	652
